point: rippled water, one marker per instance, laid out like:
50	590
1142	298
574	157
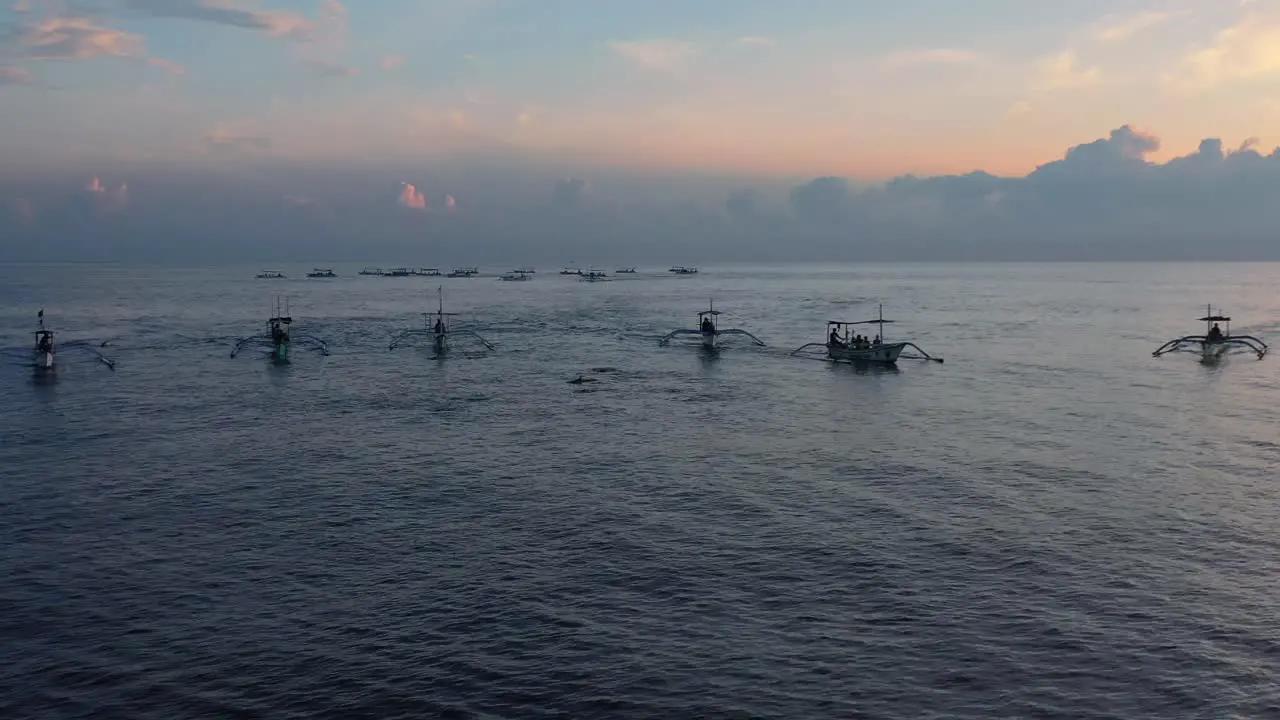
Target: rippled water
1051	524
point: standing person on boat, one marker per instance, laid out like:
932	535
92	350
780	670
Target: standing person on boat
707	325
834	340
439	326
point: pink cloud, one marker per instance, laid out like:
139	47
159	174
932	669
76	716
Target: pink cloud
277	24
168	66
450	204
110	199
74	38
391	62
14	76
411	198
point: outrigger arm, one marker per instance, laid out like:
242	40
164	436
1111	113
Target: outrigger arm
1248	342
86	348
266	342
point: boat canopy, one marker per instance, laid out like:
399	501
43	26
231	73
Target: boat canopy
286	320
708	312
1214	318
858	322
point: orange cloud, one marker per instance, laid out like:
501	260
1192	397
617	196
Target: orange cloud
411	198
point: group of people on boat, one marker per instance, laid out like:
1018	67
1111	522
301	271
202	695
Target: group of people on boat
279	335
859	342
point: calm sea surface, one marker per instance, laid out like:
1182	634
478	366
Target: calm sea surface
1052	524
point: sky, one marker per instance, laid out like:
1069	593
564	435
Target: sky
840	129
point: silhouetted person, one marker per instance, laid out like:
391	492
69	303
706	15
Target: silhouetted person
707	325
1215	333
834	340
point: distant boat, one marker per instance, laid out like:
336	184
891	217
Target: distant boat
515	276
593	276
626	271
463	272
399	272
321	273
270	275
570	270
372	271
682	270
527	270
429	272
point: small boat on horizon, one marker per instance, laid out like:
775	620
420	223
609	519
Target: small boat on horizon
682	270
626	271
270	275
321	273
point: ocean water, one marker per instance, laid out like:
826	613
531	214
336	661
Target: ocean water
1052	524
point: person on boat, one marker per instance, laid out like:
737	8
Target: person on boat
876	342
707	325
834	340
1215	333
46	344
439	326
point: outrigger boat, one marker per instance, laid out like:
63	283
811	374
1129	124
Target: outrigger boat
516	276
682	270
278	339
709	329
1216	342
44	357
371	271
626	271
270	275
321	273
570	270
464	272
439	331
593	276
840	347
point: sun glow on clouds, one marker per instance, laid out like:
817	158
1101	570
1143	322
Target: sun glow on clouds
411	198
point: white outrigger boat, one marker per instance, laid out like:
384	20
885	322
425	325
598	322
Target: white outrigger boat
709	330
516	276
439	331
594	276
278	339
842	347
44	357
1216	342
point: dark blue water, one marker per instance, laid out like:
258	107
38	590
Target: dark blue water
1051	524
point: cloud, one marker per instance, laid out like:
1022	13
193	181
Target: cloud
392	62
1062	71
108	199
935	56
77	38
14	76
1249	51
168	66
232	139
757	41
411	198
278	24
1121	29
657	55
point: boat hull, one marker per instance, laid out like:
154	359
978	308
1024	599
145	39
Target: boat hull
1212	352
882	354
44	361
